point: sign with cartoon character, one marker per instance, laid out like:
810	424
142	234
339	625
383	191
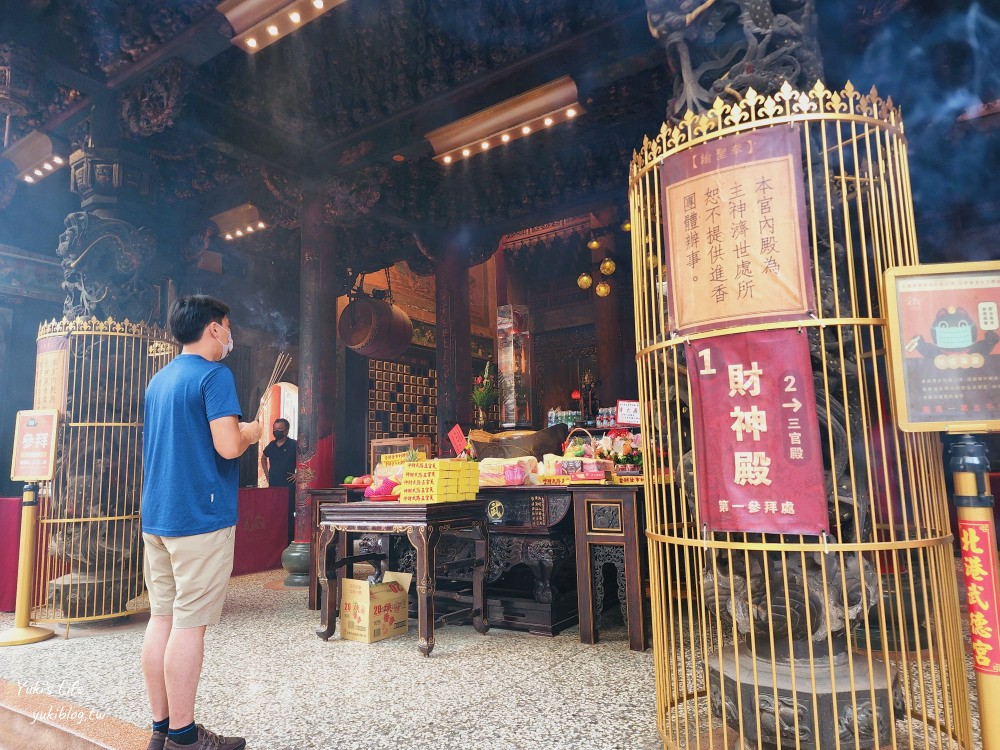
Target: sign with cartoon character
944	332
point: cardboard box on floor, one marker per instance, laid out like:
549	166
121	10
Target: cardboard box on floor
373	612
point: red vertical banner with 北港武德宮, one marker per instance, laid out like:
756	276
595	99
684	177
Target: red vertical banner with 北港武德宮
978	554
757	441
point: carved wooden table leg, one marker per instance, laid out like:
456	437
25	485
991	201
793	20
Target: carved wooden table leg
424	540
540	559
482	552
588	614
329	588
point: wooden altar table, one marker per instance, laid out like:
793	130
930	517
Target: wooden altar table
423	526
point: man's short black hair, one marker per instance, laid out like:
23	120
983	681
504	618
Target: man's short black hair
288	424
189	316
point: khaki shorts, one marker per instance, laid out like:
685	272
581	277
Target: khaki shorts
186	576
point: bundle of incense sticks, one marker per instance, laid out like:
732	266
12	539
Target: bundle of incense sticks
280	366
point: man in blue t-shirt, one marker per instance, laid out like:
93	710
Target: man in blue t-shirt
191	440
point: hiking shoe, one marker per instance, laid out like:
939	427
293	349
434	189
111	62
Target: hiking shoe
156	741
208	741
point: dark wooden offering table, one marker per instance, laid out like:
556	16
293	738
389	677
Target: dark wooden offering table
423	526
319	498
533	558
608	520
531	527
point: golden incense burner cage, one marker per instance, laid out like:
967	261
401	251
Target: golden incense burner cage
849	637
89	550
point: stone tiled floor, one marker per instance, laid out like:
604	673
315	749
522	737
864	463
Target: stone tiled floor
269	678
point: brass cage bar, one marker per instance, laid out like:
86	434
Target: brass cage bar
89	549
894	654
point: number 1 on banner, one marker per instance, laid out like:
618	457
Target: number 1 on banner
706	355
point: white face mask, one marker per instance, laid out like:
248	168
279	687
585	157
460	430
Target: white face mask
227	347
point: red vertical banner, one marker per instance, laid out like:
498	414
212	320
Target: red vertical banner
978	554
760	468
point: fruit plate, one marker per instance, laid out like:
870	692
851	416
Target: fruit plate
382	498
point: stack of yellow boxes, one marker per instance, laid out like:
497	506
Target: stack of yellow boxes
440	481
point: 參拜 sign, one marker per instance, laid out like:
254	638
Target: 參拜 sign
35	434
944	343
735	231
757	433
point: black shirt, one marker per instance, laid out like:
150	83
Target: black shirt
281	462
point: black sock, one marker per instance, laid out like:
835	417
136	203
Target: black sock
161	726
185	735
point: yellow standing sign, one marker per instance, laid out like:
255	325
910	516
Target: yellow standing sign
35	445
35	436
944	344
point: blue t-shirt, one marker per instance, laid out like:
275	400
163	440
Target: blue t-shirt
188	488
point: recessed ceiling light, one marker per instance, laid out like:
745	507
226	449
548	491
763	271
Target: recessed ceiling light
57	159
261	225
229	236
505	137
48	167
38	172
318	4
295	16
252	43
272	30
249	229
525	130
447	160
548	121
571	112
484	145
465	152
29	178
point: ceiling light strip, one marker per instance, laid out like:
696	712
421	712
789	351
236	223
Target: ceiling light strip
36	156
513	133
259	23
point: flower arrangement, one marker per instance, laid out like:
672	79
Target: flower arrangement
621	447
484	390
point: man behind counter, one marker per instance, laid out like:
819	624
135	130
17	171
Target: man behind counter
278	461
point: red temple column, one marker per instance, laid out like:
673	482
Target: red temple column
318	290
454	346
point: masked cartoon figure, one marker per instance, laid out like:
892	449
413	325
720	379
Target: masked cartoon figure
957	345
